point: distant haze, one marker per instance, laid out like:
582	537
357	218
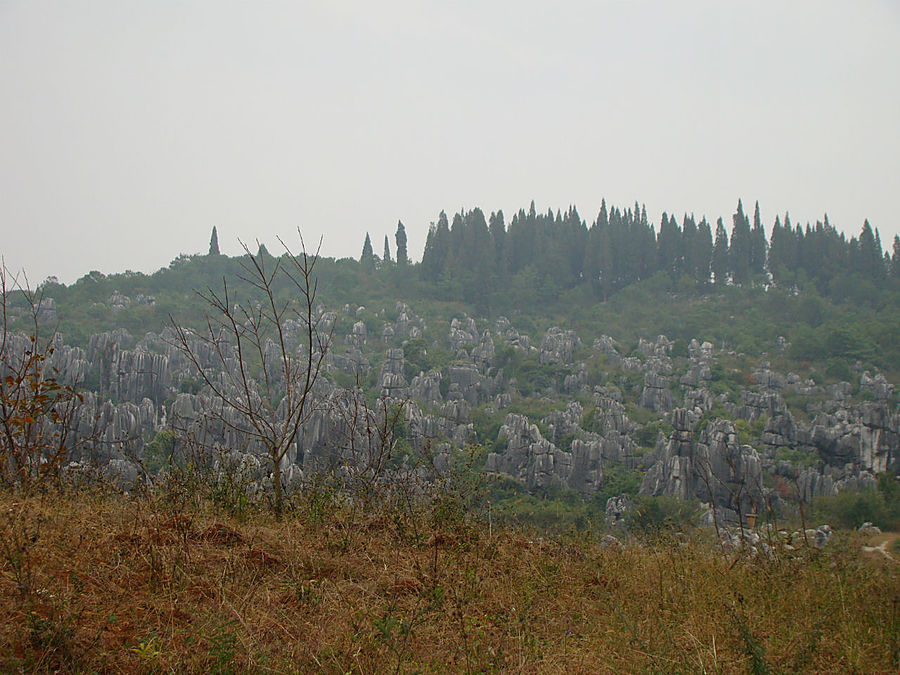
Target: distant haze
127	130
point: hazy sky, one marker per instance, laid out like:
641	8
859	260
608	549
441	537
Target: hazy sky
129	129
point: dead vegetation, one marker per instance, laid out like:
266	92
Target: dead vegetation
94	581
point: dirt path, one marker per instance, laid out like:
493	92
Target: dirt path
879	545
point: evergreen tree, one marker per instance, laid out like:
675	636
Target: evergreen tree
497	229
720	254
703	251
386	257
400	238
574	235
430	269
597	263
882	268
757	244
214	242
739	251
895	259
778	251
669	246
870	256
434	259
688	244
367	258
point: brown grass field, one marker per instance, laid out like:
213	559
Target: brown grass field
94	581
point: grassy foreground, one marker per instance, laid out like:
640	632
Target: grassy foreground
100	582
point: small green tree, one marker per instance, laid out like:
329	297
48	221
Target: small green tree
37	408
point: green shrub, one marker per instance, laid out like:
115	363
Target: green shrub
879	505
658	513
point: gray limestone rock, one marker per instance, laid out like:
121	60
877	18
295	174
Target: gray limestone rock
823	536
558	346
656	395
462	333
606	345
426	387
540	465
617	509
716	469
877	385
358	334
755	405
483	352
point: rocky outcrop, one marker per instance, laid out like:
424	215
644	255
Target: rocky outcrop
617	510
469	384
426	387
656	395
865	435
558	346
755	405
352	362
529	457
717	469
780	432
393	384
358	334
511	337
700	369
577	382
483	352
540	465
462	333
878	386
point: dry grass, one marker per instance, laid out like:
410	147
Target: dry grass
93	582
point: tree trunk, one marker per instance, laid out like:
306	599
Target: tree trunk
276	484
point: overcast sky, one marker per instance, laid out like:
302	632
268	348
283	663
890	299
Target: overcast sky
129	129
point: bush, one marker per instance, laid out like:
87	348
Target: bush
617	480
879	505
661	513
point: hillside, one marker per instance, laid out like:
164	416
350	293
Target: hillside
784	386
257	444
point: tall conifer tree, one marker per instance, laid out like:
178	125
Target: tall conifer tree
757	244
720	254
367	258
739	251
400	238
214	242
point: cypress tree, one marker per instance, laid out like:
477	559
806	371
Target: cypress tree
689	236
739	251
400	238
367	258
720	254
498	237
895	260
214	242
575	241
669	246
386	258
704	249
434	259
757	244
870	257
